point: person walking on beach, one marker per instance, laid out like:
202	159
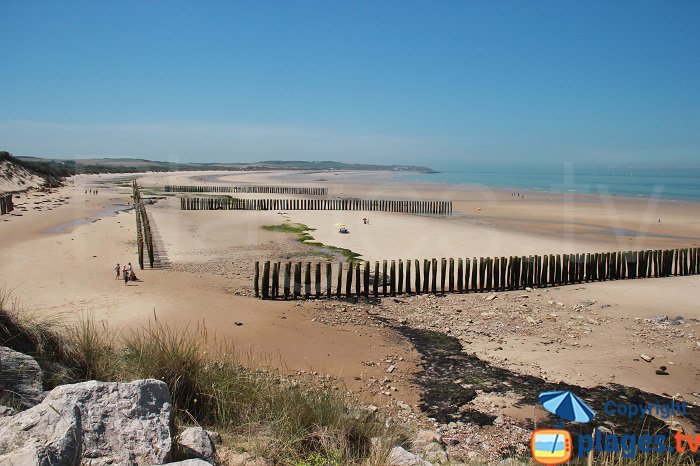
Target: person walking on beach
118	270
125	274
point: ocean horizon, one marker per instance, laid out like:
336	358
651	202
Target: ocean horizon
681	185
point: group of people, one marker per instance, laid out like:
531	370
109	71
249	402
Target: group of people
126	273
91	191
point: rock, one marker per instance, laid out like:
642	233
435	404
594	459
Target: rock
646	358
121	423
400	457
430	445
214	436
391	369
426	436
42	436
661	372
196	443
20	377
6	411
490	297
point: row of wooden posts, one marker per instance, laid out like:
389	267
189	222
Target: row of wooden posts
247	189
143	228
354	279
6	205
368	205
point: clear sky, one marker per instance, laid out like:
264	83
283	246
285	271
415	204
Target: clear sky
470	83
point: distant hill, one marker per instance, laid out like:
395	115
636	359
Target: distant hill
66	167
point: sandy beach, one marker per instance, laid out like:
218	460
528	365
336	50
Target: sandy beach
57	257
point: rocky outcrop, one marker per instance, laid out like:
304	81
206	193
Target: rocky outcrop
93	423
41	436
401	457
196	442
20	378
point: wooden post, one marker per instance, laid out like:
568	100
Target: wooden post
256	278
426	276
339	288
399	289
366	279
384	279
275	279
443	274
318	280
297	280
418	287
348	282
451	280
375	284
358	281
329	279
460	275
287	279
266	280
307	281
392	283
434	280
408	276
482	274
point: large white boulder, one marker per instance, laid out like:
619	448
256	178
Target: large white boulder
121	423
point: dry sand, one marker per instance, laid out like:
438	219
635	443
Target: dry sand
60	261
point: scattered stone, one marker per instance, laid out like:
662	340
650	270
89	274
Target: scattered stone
646	358
20	377
6	411
661	372
490	297
390	369
400	457
196	443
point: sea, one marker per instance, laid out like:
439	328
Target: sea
683	185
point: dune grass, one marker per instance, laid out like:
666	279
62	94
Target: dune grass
286	421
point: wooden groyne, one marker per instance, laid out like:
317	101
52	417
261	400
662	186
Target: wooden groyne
367	205
287	280
143	228
247	189
6	205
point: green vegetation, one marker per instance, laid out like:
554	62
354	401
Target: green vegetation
286	421
303	236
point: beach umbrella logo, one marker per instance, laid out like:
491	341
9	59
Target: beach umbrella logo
567	406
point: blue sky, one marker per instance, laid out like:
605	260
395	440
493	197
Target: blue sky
478	84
